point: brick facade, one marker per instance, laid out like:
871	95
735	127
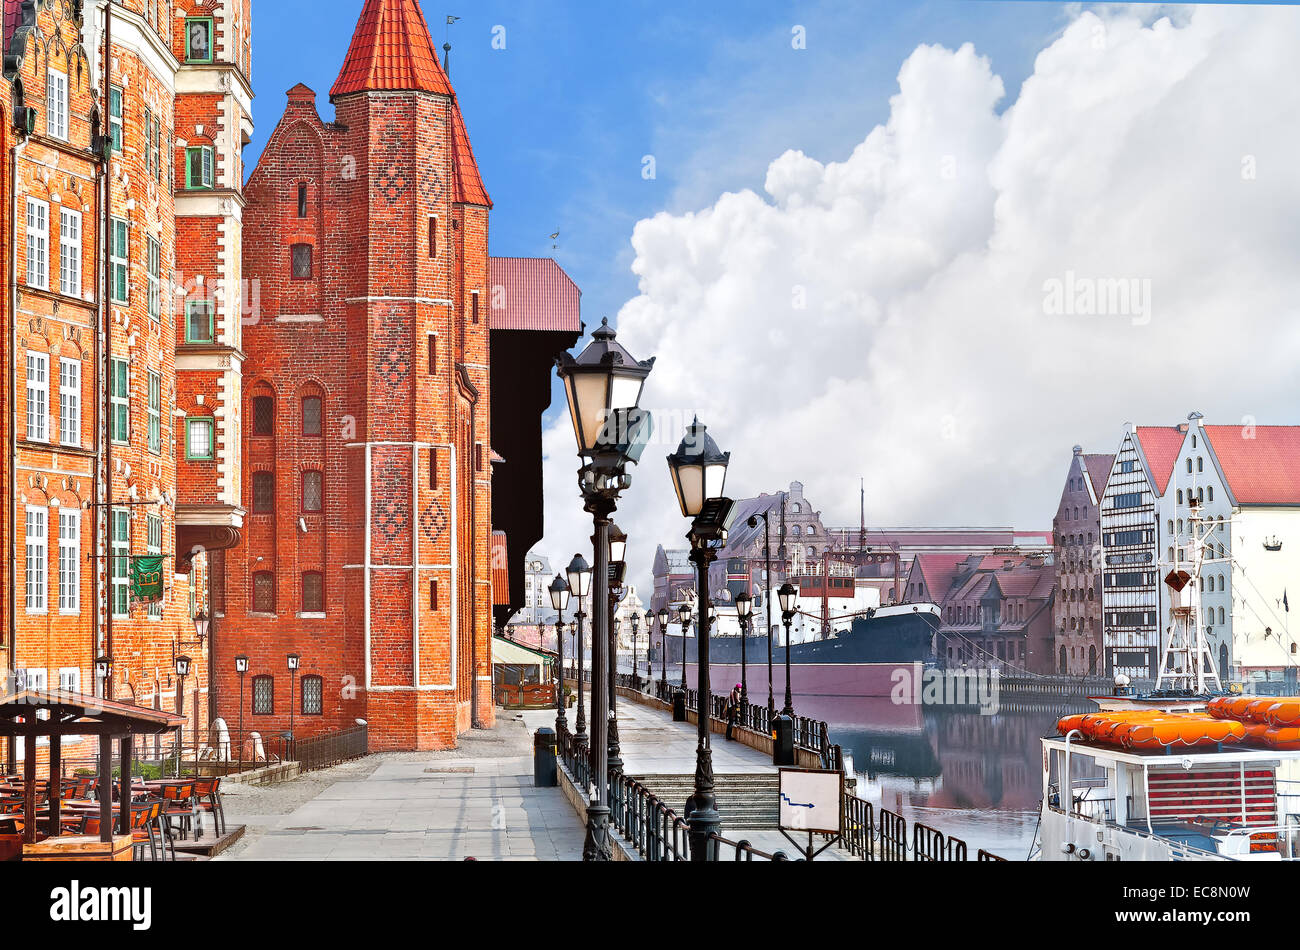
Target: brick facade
366	462
163	81
1077	550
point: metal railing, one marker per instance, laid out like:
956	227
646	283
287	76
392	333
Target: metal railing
329	748
741	851
858	828
656	831
931	844
810	734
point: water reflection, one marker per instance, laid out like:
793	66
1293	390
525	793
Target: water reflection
974	776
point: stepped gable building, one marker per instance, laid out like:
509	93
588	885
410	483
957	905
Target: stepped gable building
121	127
1076	533
371	424
1239	483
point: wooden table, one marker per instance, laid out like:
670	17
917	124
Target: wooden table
79	848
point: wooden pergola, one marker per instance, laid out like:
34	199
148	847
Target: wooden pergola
53	714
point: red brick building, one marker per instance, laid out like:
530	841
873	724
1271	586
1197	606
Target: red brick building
996	609
123	125
1076	534
367	467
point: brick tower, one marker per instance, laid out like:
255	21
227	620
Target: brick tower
367	466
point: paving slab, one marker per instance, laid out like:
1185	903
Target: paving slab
476	801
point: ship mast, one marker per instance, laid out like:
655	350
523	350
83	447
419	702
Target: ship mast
1187	663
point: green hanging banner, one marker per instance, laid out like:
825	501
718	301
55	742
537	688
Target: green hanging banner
147	579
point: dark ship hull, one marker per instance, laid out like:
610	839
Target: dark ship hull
862	661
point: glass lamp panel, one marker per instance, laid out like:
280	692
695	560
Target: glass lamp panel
569	382
715	478
625	392
689	480
590	391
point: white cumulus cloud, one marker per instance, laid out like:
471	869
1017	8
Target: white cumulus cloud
888	315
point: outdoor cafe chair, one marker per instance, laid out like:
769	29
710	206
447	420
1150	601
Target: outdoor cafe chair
147	828
178	800
207	795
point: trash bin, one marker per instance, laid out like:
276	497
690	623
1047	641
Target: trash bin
783	740
679	706
544	771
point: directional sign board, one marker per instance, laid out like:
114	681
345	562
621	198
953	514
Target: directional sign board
811	800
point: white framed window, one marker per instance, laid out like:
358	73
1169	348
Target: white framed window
38	396
56	104
115	116
37	549
155	280
120	532
70	253
154	531
38	244
120	259
70	679
155	413
119	423
69	562
31	678
69	401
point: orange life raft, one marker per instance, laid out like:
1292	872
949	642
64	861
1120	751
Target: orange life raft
1264	721
1278	711
1154	729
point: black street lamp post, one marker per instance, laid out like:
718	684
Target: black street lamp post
559	600
617	570
684	617
699	473
241	667
294	659
579	573
767	600
744	610
649	642
182	671
663	650
603	387
787	595
635	620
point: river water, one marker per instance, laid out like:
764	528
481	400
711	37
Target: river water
976	776
970	774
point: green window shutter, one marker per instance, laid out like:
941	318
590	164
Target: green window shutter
115	117
155	413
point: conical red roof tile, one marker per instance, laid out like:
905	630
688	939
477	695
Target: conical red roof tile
391	50
468	182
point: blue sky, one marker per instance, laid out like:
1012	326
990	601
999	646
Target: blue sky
563	117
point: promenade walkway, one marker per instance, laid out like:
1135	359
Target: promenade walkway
475	801
652	744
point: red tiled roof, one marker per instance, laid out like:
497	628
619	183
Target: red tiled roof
1261	463
1099	467
938	571
13	16
1161	445
467	182
390	50
537	295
